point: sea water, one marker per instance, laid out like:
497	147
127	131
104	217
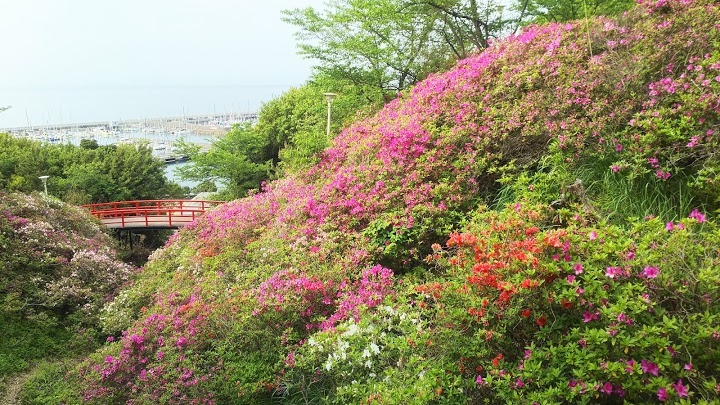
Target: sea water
44	107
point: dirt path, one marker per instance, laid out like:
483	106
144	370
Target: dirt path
11	396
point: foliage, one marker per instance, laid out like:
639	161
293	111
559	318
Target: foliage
85	174
57	270
542	11
238	160
290	133
375	45
47	384
562	309
279	295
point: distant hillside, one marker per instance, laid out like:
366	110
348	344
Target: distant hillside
527	227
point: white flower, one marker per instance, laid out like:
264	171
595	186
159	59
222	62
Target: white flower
366	353
351	330
328	364
368	363
374	348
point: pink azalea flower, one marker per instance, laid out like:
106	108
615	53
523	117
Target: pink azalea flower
109	359
479	379
589	316
650	272
607	388
688	366
611	272
578	268
630	367
697	215
662	394
593	235
649	367
680	388
519	383
669	226
570	278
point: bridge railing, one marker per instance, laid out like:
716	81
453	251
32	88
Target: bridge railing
150	213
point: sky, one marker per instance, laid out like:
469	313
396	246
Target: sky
85	60
47	43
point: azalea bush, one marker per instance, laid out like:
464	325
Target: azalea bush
554	307
57	270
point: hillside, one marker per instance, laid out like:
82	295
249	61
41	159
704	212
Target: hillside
58	268
530	226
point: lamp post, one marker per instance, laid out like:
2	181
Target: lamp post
44	180
329	97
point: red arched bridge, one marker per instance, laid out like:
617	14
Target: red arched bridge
150	214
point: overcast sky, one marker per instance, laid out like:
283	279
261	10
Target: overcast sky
49	43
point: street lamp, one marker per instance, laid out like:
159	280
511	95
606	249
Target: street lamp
44	180
329	97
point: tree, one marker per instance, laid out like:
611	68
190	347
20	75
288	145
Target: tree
465	26
375	45
89	144
239	161
85	174
542	11
289	135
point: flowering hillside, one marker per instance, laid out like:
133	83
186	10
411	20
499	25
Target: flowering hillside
379	275
57	270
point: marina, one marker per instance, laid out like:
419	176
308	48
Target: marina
162	134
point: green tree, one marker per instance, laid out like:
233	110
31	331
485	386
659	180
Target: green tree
239	161
290	133
89	144
83	174
380	46
542	11
465	26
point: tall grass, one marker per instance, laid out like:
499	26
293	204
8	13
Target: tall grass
613	196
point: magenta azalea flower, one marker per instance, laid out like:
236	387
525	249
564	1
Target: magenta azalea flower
662	394
680	388
649	367
607	388
479	379
612	272
697	215
589	316
578	268
650	272
669	226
